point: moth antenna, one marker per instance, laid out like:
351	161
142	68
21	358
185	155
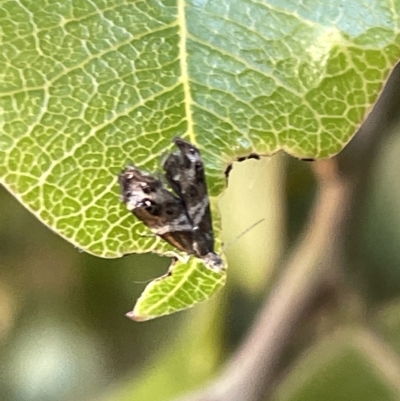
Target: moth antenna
144	281
230	243
150	235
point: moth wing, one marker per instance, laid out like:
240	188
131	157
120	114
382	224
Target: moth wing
164	213
184	171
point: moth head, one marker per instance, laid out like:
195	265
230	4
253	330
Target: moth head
138	189
135	180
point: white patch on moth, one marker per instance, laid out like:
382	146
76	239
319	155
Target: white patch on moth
131	204
181	223
176	177
198	210
135	199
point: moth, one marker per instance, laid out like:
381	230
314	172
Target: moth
181	216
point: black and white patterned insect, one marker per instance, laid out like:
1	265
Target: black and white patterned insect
183	217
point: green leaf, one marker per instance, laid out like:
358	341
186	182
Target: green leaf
89	86
185	285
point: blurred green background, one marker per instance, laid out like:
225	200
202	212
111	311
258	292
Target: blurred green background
64	336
